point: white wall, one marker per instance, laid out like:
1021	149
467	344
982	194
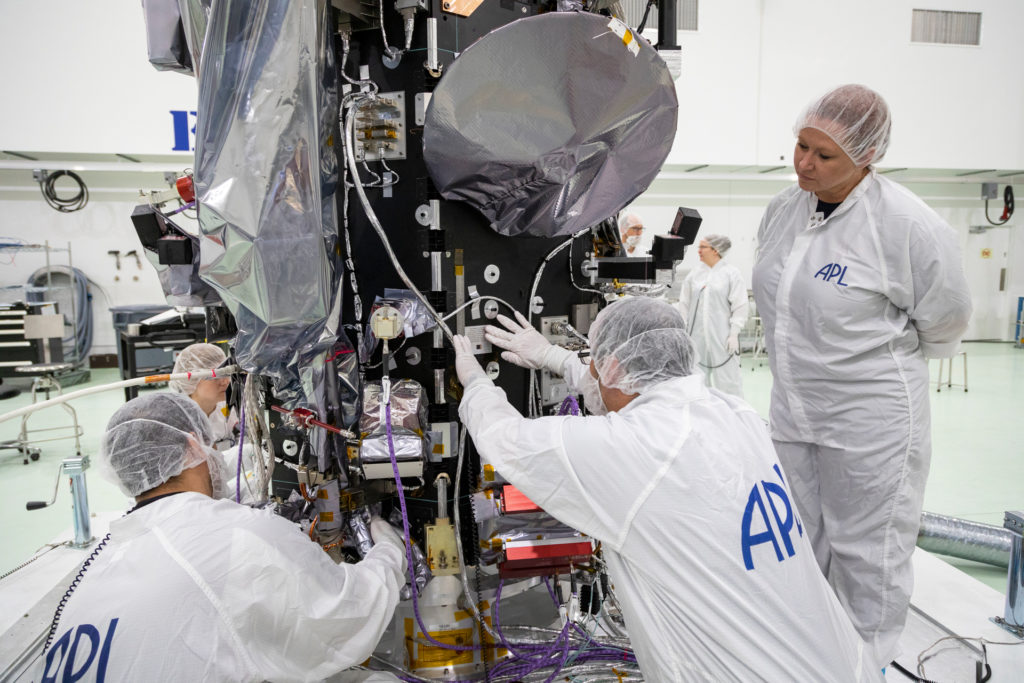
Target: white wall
734	209
99	227
77	78
953	106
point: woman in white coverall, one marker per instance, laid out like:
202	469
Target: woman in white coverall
208	393
713	301
858	283
681	486
188	588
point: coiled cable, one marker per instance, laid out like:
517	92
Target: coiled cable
70	590
75	202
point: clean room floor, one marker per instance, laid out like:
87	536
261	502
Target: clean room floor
976	473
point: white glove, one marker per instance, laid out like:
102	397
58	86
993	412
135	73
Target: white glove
526	347
466	365
383	533
733	344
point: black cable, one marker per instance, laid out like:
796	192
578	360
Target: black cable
25	564
76	202
689	330
647	11
70	590
910	674
1007	207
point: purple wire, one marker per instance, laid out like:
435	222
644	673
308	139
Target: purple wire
408	544
182	208
570	406
543	655
238	472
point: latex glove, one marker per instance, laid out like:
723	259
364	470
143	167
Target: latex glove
526	347
733	344
382	532
466	365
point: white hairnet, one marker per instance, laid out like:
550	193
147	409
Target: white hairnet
855	117
637	343
192	359
153	438
719	243
630	220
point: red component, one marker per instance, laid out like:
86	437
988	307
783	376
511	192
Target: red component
186	189
514	502
543	557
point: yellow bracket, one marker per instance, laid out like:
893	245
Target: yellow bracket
461	7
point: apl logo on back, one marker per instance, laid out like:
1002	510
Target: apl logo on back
778	527
80	651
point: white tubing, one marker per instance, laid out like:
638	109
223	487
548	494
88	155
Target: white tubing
137	381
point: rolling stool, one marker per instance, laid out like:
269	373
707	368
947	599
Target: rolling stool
949	377
44	383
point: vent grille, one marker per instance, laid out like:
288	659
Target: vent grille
686	14
946	28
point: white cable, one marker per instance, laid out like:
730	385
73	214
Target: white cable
477	299
137	381
375	222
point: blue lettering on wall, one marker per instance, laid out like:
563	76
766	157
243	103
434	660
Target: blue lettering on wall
184	134
97	654
831	271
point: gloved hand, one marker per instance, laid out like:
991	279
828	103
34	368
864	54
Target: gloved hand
733	344
527	347
466	365
383	533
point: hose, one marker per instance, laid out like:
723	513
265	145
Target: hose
77	346
134	382
965	539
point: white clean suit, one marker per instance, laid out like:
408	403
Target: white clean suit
709	560
852	306
713	302
194	589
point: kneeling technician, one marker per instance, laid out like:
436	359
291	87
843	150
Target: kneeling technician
680	483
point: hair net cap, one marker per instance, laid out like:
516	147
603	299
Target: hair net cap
151	439
719	243
638	343
855	117
630	220
194	358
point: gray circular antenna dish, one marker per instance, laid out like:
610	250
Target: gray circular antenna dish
551	124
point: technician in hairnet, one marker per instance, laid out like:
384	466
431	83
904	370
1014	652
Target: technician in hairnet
680	484
713	301
209	393
189	588
631	231
858	284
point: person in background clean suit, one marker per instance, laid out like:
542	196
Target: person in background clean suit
681	486
210	394
713	301
631	231
189	588
858	283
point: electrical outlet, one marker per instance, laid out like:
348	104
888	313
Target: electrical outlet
989	190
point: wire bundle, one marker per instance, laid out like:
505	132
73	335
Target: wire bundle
75	202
